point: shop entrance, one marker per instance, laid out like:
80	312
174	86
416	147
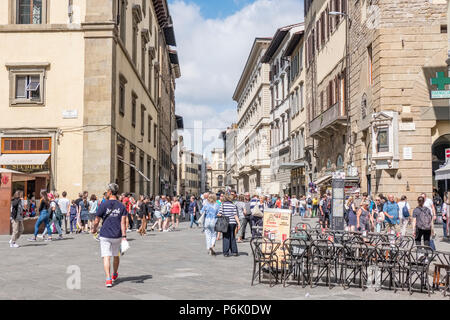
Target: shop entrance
438	151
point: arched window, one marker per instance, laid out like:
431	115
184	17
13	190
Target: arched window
328	164
340	161
220	181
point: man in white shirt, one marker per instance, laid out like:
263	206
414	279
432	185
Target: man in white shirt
404	220
64	205
294	205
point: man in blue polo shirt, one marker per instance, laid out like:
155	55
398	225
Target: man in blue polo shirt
113	231
391	211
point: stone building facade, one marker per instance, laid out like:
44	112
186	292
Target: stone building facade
280	116
217	170
371	67
400	132
231	160
252	95
299	166
192	171
326	70
86	99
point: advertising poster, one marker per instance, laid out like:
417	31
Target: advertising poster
277	226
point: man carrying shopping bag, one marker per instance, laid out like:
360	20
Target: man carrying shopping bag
113	234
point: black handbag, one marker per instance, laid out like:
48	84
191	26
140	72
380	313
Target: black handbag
222	224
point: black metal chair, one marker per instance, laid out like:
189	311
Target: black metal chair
354	257
386	260
322	261
295	260
419	260
441	274
264	256
405	242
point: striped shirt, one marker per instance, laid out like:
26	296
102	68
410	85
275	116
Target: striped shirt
228	209
253	203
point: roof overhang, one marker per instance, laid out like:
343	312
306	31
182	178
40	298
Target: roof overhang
295	40
169	35
173	56
162	12
247	69
276	41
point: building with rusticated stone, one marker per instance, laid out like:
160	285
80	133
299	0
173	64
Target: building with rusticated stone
379	113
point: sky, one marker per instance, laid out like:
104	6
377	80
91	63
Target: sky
214	38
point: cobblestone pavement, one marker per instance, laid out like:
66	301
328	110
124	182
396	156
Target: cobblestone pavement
161	266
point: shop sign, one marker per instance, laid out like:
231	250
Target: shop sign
5	179
440	81
30	168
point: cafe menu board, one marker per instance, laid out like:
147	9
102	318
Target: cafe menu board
277	226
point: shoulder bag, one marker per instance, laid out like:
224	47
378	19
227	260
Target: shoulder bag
256	211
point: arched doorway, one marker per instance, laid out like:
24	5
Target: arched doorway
438	151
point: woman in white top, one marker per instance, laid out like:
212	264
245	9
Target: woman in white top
93	206
302	206
446	215
404	218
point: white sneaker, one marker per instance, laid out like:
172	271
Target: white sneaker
13	245
128	230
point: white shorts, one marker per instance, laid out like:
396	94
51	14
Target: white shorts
110	247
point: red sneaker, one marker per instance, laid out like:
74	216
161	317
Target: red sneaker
109	283
114	277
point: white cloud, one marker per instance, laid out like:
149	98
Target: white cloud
213	52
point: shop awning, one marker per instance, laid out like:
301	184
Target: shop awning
23	159
323	179
292	165
443	173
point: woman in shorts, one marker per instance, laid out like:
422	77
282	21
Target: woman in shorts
157	213
93	206
175	212
83	212
166	224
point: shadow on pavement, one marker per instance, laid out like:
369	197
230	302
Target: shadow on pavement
34	245
138	279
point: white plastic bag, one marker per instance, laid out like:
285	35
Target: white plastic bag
124	246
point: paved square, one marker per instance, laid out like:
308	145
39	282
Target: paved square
162	266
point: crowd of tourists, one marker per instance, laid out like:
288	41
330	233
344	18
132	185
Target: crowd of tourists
127	212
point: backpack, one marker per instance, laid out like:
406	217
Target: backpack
164	208
14	210
58	212
405	211
309	201
426	216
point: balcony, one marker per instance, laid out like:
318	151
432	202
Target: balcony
328	122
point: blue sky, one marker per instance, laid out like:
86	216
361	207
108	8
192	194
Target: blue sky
212	9
214	38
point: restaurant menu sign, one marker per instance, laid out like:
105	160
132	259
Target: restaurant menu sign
277	226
